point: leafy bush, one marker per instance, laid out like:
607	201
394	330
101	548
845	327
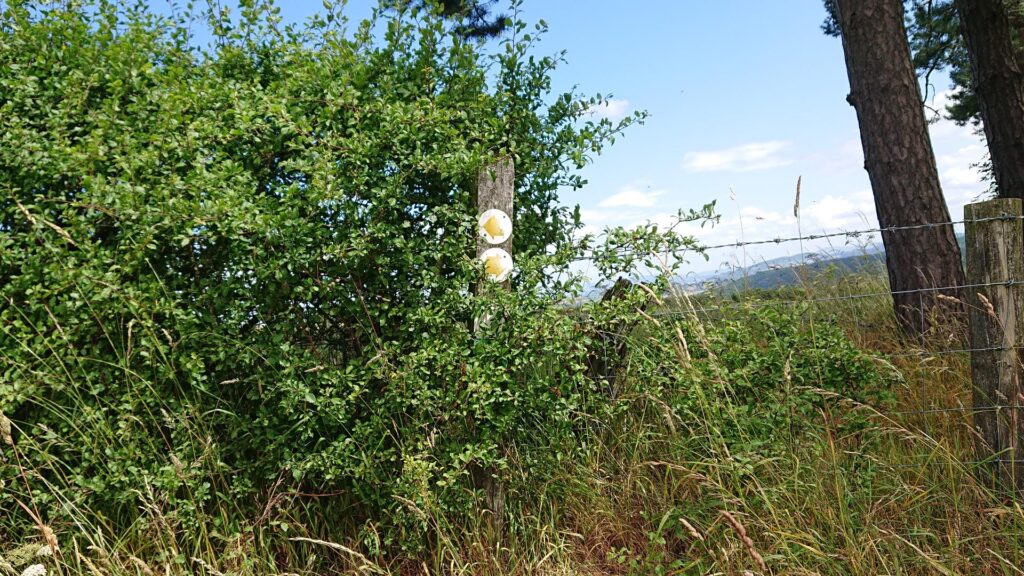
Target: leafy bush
230	268
754	378
795	369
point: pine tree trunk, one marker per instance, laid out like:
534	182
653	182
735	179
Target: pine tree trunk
999	84
900	163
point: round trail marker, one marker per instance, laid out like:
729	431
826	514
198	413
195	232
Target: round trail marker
497	264
495	226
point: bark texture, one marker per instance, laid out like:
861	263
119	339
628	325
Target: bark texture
900	163
999	84
995	255
495	189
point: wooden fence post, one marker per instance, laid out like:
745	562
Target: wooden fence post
995	266
494	193
495	189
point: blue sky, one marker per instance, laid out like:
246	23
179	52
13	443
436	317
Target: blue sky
744	97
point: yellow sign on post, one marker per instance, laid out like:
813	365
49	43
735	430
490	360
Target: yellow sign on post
497	264
493	197
494	226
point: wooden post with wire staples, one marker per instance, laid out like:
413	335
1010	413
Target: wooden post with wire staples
495	190
493	195
995	265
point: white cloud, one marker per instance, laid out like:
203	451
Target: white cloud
592	221
633	198
761	215
832	213
844	158
596	220
961	180
612	109
665	221
961	177
946	129
591	216
936	107
956	170
744	158
941	128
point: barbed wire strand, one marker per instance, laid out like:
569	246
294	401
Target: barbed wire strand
864	232
858	296
847	234
957	410
949	351
974	463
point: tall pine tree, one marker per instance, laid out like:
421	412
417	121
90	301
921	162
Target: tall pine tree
998	82
899	159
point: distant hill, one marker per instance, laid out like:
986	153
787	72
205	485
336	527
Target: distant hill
779	272
792	270
807	269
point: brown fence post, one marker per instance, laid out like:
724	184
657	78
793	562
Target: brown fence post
494	194
995	266
495	189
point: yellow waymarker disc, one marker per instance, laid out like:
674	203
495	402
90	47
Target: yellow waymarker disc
497	264
494	226
493	266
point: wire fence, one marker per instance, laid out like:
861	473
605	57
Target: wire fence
956	410
859	233
849	233
665	254
713	300
847	297
967	463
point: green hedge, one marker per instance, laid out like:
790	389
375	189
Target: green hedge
228	267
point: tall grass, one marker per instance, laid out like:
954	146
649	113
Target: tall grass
674	480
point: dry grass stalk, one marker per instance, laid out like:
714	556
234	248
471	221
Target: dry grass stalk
689	527
796	203
32	220
49	538
684	348
207	567
142	566
989	308
748	543
367	565
6	567
5	430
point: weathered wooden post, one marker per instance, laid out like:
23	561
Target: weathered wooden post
608	356
495	189
995	267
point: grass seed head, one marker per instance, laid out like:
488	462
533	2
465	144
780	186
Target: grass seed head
5	430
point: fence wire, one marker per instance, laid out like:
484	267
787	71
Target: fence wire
846	234
926	353
856	233
970	463
695	305
762	303
865	232
957	410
